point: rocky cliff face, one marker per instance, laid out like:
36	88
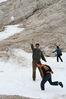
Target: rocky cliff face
43	20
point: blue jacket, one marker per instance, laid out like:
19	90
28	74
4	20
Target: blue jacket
58	50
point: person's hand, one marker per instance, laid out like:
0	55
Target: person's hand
52	72
45	61
32	41
53	52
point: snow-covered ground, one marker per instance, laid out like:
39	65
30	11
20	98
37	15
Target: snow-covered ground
10	30
16	76
16	72
2	1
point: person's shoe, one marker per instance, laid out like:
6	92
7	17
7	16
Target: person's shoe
62	61
34	79
60	83
42	89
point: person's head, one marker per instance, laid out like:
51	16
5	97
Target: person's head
57	46
37	45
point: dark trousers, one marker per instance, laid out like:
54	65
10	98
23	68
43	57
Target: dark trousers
34	66
49	79
59	57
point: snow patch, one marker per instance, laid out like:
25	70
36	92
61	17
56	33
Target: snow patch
2	1
10	30
17	56
16	76
12	18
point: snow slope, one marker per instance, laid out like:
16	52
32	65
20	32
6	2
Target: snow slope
16	76
16	72
10	30
2	1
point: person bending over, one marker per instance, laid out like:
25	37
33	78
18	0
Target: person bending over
46	76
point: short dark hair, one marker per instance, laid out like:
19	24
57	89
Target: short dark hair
37	44
57	46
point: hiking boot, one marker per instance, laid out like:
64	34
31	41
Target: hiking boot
60	83
42	89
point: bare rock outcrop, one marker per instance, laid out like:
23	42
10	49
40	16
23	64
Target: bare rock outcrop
43	20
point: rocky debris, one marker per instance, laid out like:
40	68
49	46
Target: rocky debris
13	97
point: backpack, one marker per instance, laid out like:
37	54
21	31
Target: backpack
46	69
59	52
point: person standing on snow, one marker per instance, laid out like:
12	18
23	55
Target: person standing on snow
59	53
46	76
37	55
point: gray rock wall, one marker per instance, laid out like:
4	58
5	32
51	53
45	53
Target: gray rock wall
43	20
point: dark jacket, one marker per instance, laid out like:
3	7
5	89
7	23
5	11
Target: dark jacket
45	69
37	54
58	50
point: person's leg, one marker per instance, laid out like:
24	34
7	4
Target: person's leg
57	59
55	83
40	70
60	58
52	83
34	71
44	81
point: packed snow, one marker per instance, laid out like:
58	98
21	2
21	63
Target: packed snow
10	30
16	72
12	18
2	1
16	76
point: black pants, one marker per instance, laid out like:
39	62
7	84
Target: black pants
49	79
59	57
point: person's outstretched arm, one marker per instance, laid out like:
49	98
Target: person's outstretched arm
54	51
32	46
43	58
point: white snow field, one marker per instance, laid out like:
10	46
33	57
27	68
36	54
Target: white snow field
10	30
2	1
16	76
